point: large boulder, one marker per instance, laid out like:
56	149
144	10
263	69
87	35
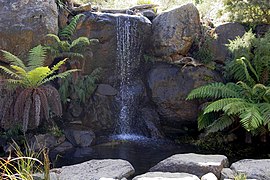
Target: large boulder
96	169
174	31
196	164
169	86
166	175
225	33
25	23
253	169
79	137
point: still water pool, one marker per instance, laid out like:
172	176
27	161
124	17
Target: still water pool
141	152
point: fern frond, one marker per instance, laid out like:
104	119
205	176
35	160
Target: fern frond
251	118
55	37
61	75
79	43
14	60
219	105
221	123
236	108
204	120
36	57
69	30
71	54
19	70
9	72
240	71
215	90
265	110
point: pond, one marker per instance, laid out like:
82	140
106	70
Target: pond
143	153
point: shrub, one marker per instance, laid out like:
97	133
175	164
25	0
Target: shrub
251	12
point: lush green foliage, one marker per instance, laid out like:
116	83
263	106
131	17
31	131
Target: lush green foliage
246	102
82	88
29	98
255	11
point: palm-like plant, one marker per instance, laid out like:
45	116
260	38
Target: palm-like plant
246	102
34	98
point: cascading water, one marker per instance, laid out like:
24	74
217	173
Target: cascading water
128	60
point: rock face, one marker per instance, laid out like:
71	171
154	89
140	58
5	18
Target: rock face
174	31
96	169
170	84
166	175
24	23
103	26
256	169
193	163
225	32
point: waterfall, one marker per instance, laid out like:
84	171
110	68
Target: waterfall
128	60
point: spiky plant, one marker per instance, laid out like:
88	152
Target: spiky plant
34	97
246	102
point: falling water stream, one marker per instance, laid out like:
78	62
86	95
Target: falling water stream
128	59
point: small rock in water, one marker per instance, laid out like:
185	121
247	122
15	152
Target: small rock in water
209	176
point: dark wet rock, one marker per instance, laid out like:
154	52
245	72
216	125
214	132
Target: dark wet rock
79	137
151	120
25	23
149	13
46	140
169	86
225	32
261	29
63	148
196	164
106	90
166	175
174	31
253	169
96	169
100	113
82	152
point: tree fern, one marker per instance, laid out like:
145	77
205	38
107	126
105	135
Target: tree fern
35	99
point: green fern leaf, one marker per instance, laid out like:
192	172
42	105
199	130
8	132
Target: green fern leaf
79	43
9	72
61	75
220	104
69	30
215	90
204	120
220	124
36	57
14	60
251	118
